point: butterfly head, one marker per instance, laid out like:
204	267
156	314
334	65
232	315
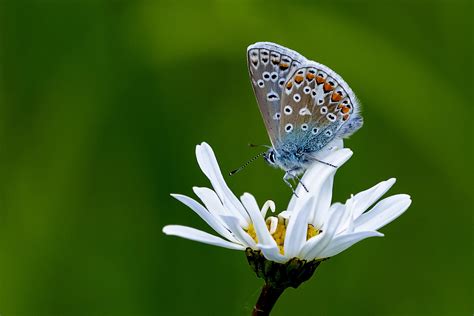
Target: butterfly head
270	157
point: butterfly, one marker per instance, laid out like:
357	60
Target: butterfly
305	106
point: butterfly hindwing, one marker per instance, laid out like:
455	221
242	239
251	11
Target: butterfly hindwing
269	67
317	106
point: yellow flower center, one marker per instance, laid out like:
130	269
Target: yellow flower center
278	232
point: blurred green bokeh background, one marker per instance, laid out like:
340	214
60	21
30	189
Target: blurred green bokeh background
102	103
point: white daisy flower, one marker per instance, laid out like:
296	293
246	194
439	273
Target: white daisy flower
311	229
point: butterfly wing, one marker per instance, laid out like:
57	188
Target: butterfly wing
269	67
317	107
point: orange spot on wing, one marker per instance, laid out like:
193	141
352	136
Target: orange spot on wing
336	97
345	110
320	80
327	87
284	66
298	79
289	85
310	76
345	117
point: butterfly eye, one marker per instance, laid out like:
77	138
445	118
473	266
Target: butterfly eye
313	93
288	127
320	101
307	90
260	83
281	82
324	110
314	131
297	97
304	127
328	133
272	157
277	116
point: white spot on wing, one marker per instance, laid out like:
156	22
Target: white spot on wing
272	96
266	75
305	111
331	117
274	76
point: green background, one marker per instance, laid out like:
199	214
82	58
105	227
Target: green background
102	103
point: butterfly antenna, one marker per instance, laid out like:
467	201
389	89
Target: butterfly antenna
253	145
324	162
246	164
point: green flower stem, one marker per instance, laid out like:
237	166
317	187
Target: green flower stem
278	277
266	300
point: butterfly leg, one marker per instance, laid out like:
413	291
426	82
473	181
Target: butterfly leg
286	178
302	184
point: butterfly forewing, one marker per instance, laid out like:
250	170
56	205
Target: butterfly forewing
269	68
316	104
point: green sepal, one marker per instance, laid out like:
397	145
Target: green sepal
281	275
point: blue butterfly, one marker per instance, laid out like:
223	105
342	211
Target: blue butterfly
305	106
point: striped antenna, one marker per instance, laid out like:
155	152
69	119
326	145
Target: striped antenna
246	164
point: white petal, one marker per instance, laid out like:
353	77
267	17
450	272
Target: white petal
263	235
383	212
347	221
214	206
200	236
321	209
209	166
268	205
233	224
210	219
350	226
211	201
285	215
272	254
272	221
297	230
316	176
363	200
341	243
315	245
